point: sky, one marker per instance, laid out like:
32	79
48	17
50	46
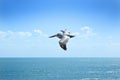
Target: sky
25	26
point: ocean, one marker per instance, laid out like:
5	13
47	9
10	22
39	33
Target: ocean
59	68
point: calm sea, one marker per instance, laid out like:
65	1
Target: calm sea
59	68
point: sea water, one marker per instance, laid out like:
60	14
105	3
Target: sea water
59	68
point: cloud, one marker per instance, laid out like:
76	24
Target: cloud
3	34
21	34
86	32
37	31
14	35
40	32
87	28
76	33
24	34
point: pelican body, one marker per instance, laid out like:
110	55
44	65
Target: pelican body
64	37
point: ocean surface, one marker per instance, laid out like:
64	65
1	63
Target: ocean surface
59	68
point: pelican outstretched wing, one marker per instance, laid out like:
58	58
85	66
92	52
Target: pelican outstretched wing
52	36
71	36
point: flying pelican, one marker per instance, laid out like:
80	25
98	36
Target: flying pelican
64	37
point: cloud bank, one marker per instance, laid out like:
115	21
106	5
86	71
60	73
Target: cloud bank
85	32
20	34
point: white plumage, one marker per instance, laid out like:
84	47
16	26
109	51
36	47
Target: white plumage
64	37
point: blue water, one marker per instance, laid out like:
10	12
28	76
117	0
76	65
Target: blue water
59	68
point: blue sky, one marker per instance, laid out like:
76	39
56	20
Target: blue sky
25	26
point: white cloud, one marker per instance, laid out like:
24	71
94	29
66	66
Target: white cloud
37	31
24	34
21	34
86	32
10	32
40	32
85	28
76	33
3	35
14	35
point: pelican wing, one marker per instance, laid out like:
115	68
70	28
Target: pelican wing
52	36
71	36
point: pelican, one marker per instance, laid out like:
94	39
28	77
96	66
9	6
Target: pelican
64	37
